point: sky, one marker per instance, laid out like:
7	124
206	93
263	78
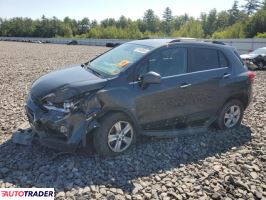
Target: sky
101	9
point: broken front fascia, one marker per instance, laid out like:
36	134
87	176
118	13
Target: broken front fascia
70	124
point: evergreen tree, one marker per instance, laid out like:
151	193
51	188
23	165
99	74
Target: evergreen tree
251	6
211	23
234	13
167	21
94	23
225	24
151	21
263	5
167	15
141	25
122	22
222	20
257	24
203	19
83	25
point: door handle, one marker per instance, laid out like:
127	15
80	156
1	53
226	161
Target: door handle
227	75
185	85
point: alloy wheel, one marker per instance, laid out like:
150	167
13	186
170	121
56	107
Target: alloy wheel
232	116
120	136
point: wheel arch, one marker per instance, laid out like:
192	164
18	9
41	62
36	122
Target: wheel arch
243	98
126	112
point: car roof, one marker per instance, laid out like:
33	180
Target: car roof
155	43
262	48
152	42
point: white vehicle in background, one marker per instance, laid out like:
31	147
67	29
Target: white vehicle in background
255	59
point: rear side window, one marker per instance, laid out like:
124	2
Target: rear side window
203	59
239	58
223	60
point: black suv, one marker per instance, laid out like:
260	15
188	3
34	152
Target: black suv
154	87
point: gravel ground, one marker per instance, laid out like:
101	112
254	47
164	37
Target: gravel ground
212	165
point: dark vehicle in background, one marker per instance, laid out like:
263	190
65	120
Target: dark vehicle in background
73	42
154	87
255	59
110	44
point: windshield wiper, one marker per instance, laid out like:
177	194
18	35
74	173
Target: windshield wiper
88	66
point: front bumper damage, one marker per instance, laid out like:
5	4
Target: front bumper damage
58	129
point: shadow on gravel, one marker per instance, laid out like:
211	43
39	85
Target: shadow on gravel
36	166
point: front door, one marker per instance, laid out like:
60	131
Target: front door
163	104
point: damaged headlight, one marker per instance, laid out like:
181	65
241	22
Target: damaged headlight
61	95
68	106
61	102
62	107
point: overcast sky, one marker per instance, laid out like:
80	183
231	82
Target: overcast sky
101	9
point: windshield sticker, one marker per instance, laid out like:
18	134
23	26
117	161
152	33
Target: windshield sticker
114	72
122	63
141	50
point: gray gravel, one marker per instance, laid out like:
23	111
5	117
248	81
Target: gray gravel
212	165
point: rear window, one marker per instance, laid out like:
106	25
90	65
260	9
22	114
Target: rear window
203	59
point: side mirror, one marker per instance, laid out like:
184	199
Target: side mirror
150	78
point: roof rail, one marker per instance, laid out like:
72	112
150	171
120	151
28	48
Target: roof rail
183	39
218	42
215	42
144	38
175	40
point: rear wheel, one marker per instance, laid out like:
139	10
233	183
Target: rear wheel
115	136
231	115
260	65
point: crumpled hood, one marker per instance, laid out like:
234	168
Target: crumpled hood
248	56
77	79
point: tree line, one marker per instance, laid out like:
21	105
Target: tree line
241	21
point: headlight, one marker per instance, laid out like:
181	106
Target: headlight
49	98
50	106
63	100
65	106
61	95
68	106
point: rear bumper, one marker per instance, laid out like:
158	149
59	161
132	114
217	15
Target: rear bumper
57	129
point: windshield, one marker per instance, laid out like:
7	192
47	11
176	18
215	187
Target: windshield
114	61
259	51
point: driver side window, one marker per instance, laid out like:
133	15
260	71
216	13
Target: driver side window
166	62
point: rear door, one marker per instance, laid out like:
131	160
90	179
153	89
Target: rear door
208	74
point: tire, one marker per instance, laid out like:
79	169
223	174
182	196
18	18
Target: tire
260	65
106	138
226	114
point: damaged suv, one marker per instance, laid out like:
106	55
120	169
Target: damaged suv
153	87
255	59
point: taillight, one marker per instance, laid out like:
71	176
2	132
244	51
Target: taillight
251	76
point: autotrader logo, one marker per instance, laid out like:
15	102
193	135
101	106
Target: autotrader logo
26	193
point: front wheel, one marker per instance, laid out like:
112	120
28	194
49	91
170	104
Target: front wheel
231	115
115	135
